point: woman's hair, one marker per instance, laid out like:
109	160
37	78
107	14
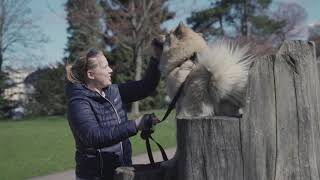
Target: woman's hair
77	72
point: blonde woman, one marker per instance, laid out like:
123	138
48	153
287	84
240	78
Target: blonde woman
96	115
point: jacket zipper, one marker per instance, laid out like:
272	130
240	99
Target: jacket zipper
119	121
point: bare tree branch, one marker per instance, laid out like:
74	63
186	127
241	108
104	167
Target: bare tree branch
17	29
293	15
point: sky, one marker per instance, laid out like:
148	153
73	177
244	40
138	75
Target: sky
50	17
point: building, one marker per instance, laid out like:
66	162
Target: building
17	91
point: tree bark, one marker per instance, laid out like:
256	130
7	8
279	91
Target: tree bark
1	61
138	60
244	18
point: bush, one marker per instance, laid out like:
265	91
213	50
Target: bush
48	97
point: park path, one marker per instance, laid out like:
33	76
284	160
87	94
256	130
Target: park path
139	159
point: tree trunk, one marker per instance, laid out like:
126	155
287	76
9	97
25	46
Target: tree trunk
138	60
221	25
318	64
1	60
244	18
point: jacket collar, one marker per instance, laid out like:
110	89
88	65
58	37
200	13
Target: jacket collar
82	90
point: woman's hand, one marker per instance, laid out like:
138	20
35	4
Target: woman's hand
147	121
157	45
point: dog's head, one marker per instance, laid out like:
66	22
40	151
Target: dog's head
178	46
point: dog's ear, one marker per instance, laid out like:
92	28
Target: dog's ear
181	24
179	30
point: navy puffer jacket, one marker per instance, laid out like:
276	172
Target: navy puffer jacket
100	126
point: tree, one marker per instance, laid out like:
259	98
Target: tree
211	21
85	28
49	95
132	24
17	30
233	18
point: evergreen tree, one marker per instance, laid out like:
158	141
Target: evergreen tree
85	29
211	21
235	17
49	92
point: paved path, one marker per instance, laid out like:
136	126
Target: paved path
139	159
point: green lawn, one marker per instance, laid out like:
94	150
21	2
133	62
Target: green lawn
43	145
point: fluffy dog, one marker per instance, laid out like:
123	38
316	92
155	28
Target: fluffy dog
217	74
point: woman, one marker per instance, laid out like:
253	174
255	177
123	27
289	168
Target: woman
97	117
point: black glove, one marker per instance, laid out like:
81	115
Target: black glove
147	121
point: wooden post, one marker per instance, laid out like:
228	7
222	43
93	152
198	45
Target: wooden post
209	148
278	137
280	129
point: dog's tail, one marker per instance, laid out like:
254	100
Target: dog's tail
228	65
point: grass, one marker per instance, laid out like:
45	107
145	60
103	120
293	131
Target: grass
43	145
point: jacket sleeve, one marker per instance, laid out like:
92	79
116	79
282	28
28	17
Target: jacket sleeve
84	125
137	90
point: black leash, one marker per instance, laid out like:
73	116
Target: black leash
146	134
172	105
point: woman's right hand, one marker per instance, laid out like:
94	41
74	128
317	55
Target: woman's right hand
146	121
157	45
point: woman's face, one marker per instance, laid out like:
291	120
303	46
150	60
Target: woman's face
100	76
